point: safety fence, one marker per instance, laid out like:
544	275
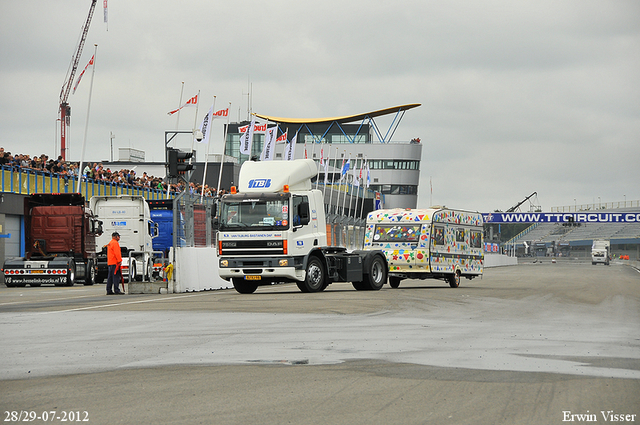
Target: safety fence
26	182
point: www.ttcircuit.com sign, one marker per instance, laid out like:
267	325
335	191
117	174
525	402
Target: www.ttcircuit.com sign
579	217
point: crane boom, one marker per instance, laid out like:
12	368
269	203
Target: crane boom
515	207
65	109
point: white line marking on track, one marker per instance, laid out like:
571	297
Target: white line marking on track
123	303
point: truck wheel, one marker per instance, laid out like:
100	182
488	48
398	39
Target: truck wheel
454	279
138	277
244	286
375	275
90	278
394	281
149	271
315	277
71	273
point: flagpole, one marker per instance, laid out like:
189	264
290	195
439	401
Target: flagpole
325	183
195	122
206	158
356	189
353	185
224	147
179	105
364	189
319	164
344	197
86	125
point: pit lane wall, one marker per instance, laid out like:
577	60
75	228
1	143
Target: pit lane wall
196	269
499	260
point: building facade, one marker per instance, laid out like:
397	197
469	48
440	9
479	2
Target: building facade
394	167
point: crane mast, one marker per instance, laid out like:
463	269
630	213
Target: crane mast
65	109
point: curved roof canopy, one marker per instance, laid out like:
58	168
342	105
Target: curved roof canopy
341	120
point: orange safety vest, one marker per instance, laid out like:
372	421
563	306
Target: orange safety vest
114	255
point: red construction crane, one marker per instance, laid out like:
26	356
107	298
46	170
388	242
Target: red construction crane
65	109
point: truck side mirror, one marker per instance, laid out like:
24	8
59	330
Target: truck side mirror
303	212
153	229
97	227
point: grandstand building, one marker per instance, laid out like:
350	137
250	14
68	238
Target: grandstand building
394	167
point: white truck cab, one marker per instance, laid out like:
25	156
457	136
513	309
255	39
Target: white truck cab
273	230
129	215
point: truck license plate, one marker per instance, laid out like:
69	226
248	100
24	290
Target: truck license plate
253	277
37	271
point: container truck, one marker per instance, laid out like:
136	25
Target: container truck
60	248
273	230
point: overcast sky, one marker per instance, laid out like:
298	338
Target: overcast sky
517	96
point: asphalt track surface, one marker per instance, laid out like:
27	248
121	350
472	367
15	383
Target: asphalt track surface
529	344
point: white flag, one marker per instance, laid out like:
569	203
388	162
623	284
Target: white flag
269	144
82	73
191	102
205	127
291	148
368	175
247	139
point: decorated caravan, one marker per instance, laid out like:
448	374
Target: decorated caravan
433	243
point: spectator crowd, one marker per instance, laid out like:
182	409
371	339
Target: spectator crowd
98	173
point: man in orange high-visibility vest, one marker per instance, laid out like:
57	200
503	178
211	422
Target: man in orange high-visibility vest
114	261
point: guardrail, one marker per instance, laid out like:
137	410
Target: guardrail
143	271
26	182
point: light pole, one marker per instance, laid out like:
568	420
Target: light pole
576	204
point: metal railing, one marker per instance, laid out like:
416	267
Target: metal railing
26	182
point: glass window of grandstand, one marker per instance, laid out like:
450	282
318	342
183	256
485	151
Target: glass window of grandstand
341	138
233	146
381	164
394	189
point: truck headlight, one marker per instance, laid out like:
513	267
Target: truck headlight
224	263
283	262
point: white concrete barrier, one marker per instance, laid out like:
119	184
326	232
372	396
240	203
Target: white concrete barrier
197	270
499	260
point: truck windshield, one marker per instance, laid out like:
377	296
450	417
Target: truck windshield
254	214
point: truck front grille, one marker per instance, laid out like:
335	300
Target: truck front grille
257	247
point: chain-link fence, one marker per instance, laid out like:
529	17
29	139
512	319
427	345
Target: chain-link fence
193	222
193	217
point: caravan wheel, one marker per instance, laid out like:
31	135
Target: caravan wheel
454	279
394	281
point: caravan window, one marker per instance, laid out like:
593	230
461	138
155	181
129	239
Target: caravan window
438	235
460	235
396	233
476	240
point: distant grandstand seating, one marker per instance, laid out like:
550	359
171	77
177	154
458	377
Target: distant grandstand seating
584	232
